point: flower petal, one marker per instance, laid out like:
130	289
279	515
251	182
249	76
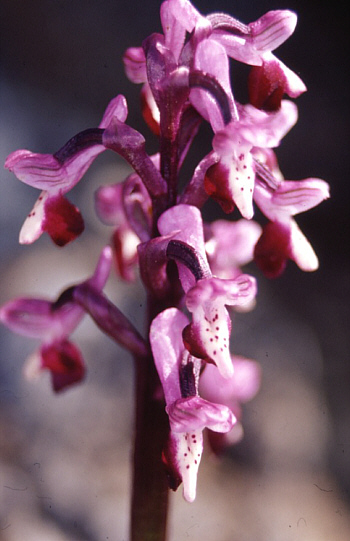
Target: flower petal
102	270
28	317
273	249
65	362
135	64
230	245
109	204
269	82
167	347
294	86
181	457
272	29
209	334
125	243
174	30
196	413
62	220
210	57
185	13
59	172
185	223
242	387
301	250
32	227
293	197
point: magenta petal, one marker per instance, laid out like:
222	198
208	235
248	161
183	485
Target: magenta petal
41	171
109	204
293	197
230	245
272	29
242	387
102	270
28	317
117	108
48	172
174	31
185	13
135	64
184	223
196	413
167	348
267	85
210	57
62	220
65	362
59	172
39	318
211	326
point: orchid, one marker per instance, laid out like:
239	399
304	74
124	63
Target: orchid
188	413
56	174
114	204
186	378
209	333
232	180
230	245
52	323
251	44
281	238
232	392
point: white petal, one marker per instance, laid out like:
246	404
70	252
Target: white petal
302	251
32	227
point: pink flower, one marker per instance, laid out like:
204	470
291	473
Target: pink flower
230	245
281	238
208	335
251	44
231	181
188	413
52	323
240	388
127	207
56	174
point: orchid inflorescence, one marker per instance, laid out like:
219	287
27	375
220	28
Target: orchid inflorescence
190	269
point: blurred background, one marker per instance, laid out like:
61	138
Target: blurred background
65	460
